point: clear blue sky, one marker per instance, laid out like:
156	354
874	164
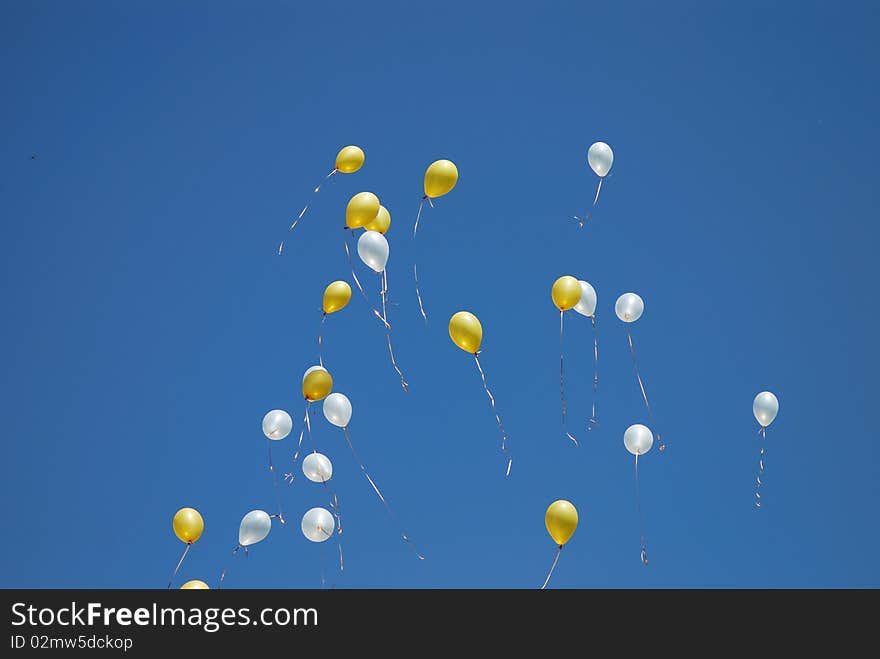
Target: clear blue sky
148	324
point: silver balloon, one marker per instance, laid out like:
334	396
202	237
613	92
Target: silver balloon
312	368
587	304
629	307
277	424
600	156
318	524
254	527
638	439
337	409
765	408
373	250
317	467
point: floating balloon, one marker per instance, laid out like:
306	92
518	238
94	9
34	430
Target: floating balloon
195	584
337	409
587	307
255	526
440	177
466	332
317	524
561	520
317	467
600	157
638	440
381	222
565	293
348	160
336	296
188	526
373	249
765	408
361	209
277	425
317	383
629	308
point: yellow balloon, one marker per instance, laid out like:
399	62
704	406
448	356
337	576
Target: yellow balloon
362	209
350	159
317	384
561	520
566	293
195	584
465	331
381	222
336	296
188	525
440	178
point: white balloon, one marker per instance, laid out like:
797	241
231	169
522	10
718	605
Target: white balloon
318	524
312	368
277	424
629	307
638	439
254	527
600	156
337	409
317	467
765	408
587	304
373	250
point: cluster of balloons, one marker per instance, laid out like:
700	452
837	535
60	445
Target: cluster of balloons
365	212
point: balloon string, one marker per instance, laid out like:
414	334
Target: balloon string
179	563
321	339
552	567
415	267
594	420
758	483
274	480
303	211
562	381
361	288
226	569
379	494
334	506
497	416
660	445
589	213
290	476
383	292
644	548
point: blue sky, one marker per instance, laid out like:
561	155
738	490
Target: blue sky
149	325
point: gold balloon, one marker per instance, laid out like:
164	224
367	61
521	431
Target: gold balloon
561	520
381	222
195	584
188	525
566	293
317	384
440	178
336	296
350	159
362	209
465	331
